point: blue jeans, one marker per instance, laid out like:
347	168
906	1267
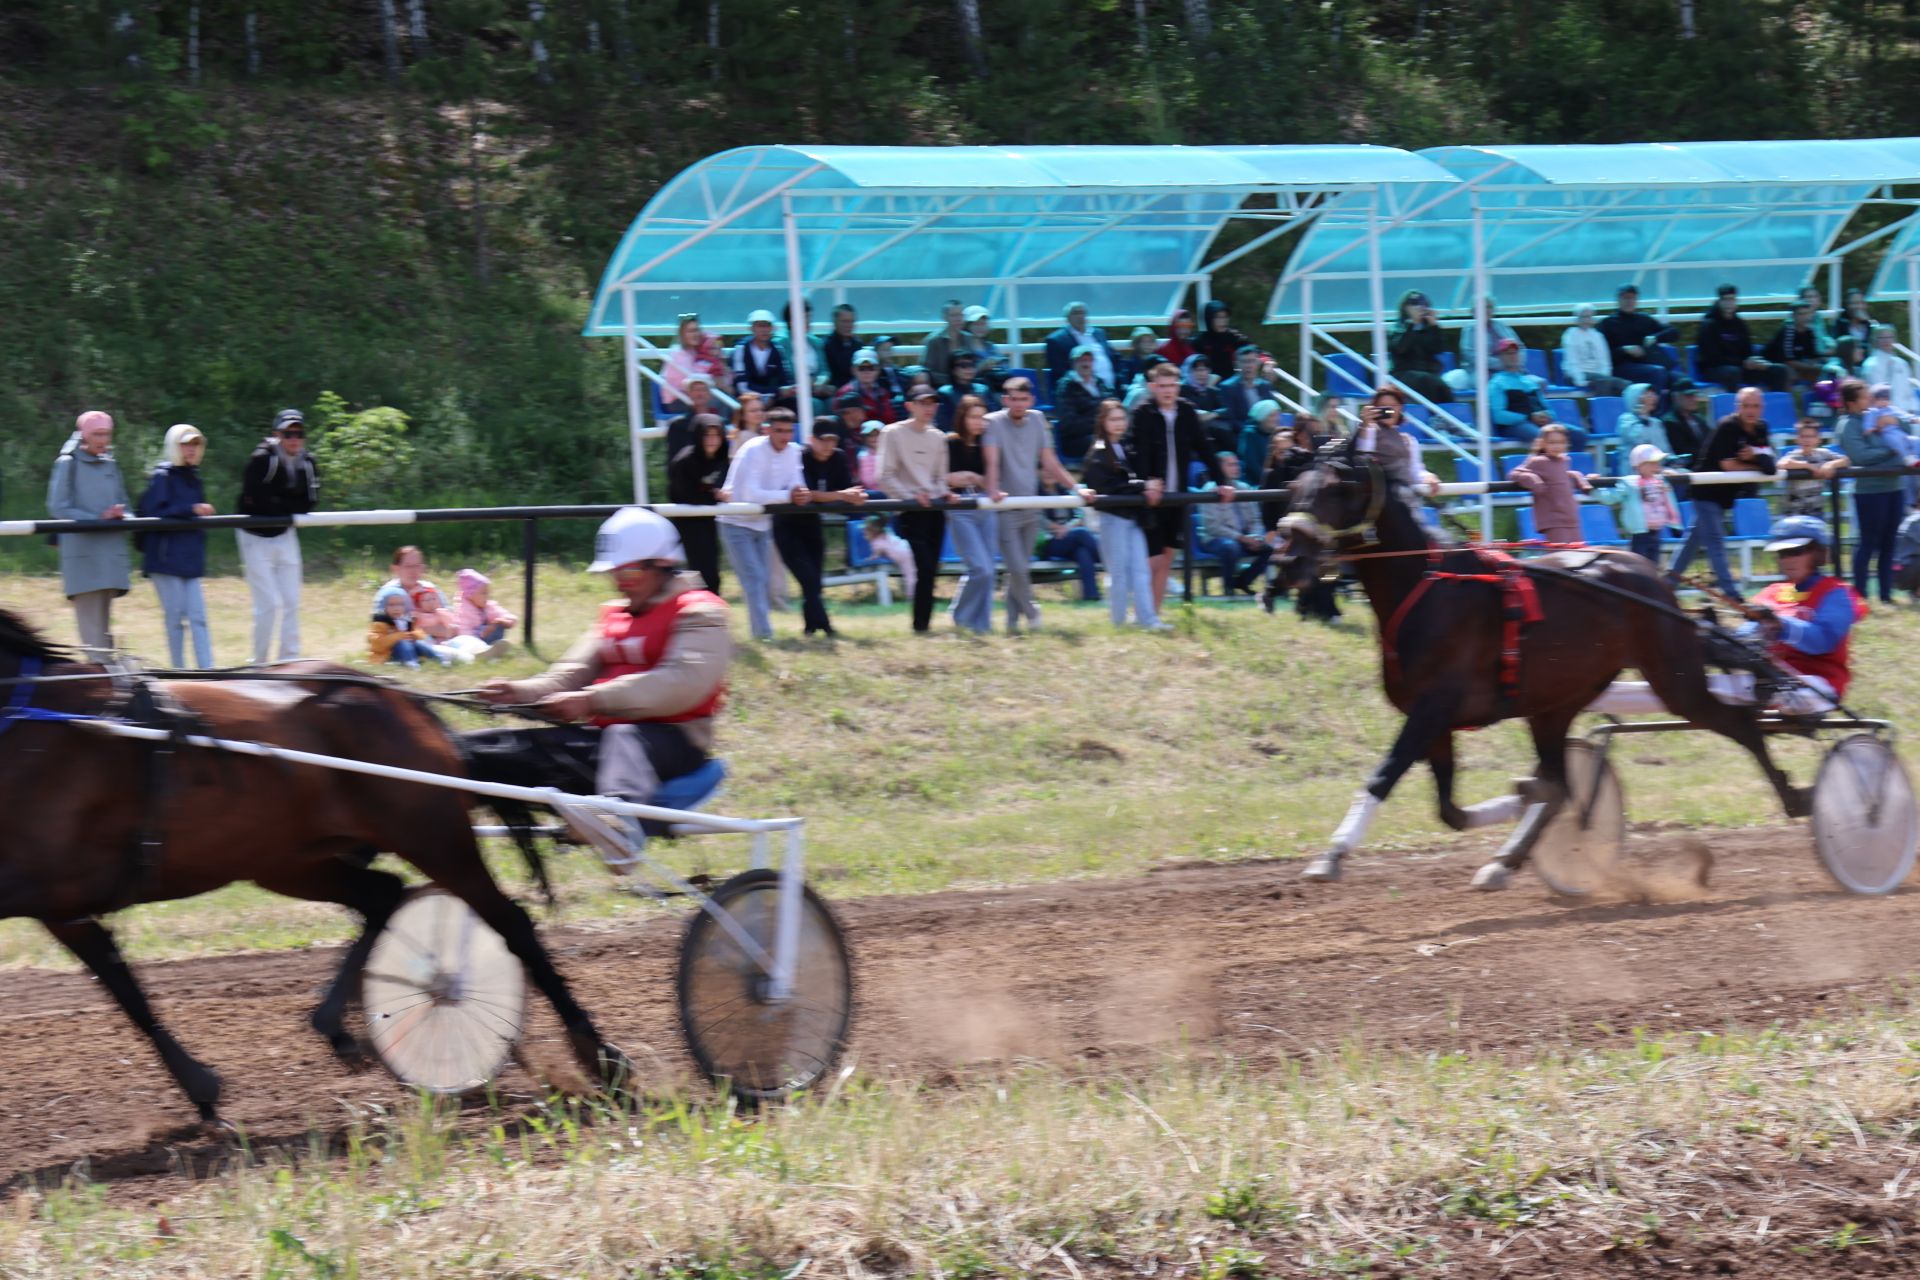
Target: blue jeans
1228	552
1709	534
974	537
405	652
1878	515
1124	547
493	632
182	605
1081	547
1646	544
748	549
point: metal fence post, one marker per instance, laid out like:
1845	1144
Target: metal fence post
529	558
1834	511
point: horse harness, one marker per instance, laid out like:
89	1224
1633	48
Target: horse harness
1519	609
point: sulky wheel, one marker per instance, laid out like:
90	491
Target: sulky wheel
1578	852
760	1048
445	1000
1865	829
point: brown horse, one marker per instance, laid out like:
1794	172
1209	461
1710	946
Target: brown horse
1441	643
96	824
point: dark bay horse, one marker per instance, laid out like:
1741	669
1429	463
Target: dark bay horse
1441	646
93	826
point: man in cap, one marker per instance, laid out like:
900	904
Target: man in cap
841	345
1804	622
965	383
1634	338
280	480
1517	399
650	673
758	365
1688	428
94	567
1070	337
988	362
866	386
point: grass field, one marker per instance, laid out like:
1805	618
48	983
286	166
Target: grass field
927	762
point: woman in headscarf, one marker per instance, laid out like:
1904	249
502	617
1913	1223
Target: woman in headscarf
1199	388
1218	340
1640	424
1179	340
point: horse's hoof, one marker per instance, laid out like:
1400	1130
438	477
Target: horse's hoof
1324	869
1799	801
1494	875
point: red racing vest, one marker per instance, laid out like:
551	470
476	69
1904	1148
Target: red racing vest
631	643
1789	602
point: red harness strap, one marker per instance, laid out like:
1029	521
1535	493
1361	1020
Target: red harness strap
1519	609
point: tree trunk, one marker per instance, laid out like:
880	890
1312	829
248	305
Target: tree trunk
193	44
482	259
251	25
417	26
623	40
1686	20
126	31
1199	19
971	35
593	36
1140	24
538	13
713	34
389	42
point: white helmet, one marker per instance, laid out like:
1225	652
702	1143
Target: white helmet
635	533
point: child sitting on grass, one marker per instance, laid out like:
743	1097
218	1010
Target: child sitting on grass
481	623
394	637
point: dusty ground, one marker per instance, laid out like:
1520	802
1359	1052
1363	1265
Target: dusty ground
1201	959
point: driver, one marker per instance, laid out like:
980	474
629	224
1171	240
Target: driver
651	672
1804	622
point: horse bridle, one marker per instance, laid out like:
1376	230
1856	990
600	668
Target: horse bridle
1309	524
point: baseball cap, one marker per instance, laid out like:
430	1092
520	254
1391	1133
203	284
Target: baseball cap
762	316
1645	453
1419	299
872	428
1726	289
866	355
288	417
696	376
1628	287
975	312
1505	344
1685	386
923	393
964	357
851	400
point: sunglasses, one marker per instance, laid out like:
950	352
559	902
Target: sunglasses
292	433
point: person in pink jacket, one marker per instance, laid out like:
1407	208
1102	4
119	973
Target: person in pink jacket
483	624
1551	480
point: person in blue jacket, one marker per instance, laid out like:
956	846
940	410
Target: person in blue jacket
177	561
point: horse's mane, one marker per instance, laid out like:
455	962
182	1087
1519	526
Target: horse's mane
19	638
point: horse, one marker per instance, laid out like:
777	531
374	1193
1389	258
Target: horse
1443	629
99	823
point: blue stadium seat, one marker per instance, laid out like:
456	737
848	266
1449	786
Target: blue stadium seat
1448	362
1506	462
1536	363
1347	377
1567	411
947	553
1779	413
859	550
1528	531
1673	356
1751	518
1679	531
1581	461
1604	413
1417	413
1692	365
1597	525
1467	470
1719	405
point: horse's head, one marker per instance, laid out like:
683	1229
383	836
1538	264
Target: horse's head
20	640
1337	500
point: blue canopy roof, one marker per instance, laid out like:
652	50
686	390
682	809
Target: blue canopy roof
1566	225
898	230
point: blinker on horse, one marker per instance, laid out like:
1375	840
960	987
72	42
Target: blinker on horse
1452	658
94	826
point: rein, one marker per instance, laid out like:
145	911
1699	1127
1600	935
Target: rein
20	702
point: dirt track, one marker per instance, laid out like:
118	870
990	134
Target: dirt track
1235	959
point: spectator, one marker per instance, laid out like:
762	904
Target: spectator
1808	467
394	636
1822	322
749	419
696	401
1218	339
974	532
1551	479
1472	348
1256	437
1245	389
1179	341
852	410
695	478
1877	500
1067	539
1065	342
1738	443
1167	440
1638	425
1585	358
988	363
765	469
1415	344
1849	360
1292	454
1647	503
1331	411
1854	319
1075	397
481	619
1906	557
964	384
280	480
913	468
827	477
1019	455
1111	471
942	344
890	371
408	566
758	365
1633	341
1724	348
1798	345
694	351
817	376
1515	397
1231	532
1383	436
1142	354
175	562
1686	422
1201	389
866	460
840	346
438	622
94	569
1899	430
1889	366
875	399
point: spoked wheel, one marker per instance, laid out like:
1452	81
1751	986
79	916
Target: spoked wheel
445	1000
760	1048
1579	852
1865	829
